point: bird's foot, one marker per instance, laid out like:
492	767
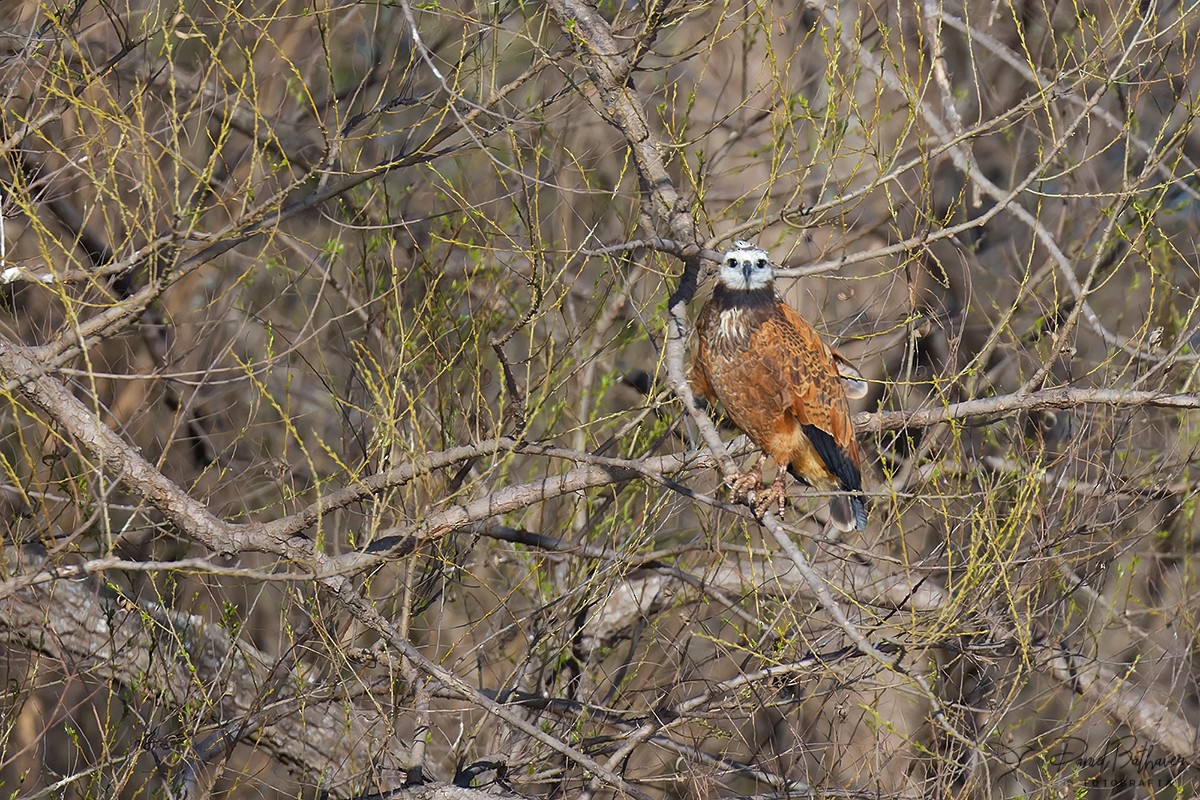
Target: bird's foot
742	484
775	495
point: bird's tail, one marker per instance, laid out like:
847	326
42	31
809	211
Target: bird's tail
848	513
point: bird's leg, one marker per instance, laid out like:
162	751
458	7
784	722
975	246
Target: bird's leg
742	483
776	495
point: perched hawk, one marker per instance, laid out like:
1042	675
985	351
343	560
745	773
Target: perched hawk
780	384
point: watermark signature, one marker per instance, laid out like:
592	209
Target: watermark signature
1120	762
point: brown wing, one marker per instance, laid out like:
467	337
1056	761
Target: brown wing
814	392
854	384
698	378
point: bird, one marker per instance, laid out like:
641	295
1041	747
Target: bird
782	385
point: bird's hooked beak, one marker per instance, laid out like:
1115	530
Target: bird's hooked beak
747	267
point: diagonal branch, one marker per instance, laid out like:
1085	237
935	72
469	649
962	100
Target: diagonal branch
322	736
621	105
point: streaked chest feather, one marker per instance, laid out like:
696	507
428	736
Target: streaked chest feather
731	320
732	331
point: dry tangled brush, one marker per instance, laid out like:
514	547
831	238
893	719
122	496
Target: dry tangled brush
347	449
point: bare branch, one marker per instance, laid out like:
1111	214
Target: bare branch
1021	401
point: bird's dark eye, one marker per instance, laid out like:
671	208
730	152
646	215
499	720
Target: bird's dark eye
762	263
733	262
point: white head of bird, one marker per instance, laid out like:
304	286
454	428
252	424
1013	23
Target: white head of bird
746	268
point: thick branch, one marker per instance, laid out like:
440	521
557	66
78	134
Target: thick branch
1012	403
120	459
1124	700
610	71
139	645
